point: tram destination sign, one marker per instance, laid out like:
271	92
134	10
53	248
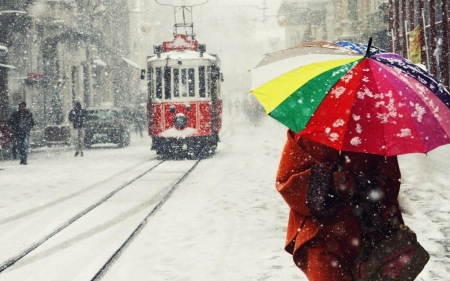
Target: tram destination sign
180	42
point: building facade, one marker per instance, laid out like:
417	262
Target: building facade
391	24
431	18
65	51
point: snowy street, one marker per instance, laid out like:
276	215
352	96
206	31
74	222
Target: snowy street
225	221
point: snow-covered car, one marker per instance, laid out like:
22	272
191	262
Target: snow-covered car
106	125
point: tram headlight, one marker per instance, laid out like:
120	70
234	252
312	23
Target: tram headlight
180	121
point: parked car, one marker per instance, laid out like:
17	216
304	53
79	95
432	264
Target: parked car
106	125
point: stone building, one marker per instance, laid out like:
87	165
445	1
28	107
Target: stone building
63	51
330	20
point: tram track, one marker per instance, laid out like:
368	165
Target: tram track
29	255
8	263
137	230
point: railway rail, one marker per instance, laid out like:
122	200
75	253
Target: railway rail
165	176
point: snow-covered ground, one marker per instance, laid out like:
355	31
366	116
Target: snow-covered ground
226	221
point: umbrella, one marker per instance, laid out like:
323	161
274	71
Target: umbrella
378	103
359	47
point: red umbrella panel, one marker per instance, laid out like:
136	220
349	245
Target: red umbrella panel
382	109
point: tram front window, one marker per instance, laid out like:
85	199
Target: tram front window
176	83
191	74
184	82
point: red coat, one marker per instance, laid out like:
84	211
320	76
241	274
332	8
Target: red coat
331	243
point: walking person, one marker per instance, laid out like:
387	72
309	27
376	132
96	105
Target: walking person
21	122
77	116
339	204
138	120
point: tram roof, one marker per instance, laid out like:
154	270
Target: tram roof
186	54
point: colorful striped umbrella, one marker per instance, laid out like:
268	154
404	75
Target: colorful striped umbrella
360	48
379	103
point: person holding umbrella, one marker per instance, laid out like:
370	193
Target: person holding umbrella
350	114
329	195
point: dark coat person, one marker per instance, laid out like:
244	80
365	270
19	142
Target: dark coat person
77	116
325	234
21	122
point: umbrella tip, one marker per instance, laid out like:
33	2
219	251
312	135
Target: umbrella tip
368	47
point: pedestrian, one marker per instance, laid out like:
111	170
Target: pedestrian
138	120
21	122
77	116
339	202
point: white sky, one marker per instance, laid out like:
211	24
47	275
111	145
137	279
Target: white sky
226	221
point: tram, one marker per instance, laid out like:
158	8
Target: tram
184	108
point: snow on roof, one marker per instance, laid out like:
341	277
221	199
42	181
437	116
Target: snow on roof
132	63
13	12
187	54
7	66
99	61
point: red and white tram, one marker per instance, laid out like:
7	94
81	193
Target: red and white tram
184	108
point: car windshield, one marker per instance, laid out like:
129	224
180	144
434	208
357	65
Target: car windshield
102	114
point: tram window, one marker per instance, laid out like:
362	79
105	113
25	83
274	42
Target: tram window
167	84
201	82
191	74
150	82
209	80
158	72
184	82
176	82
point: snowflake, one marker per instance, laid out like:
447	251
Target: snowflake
358	129
420	111
327	130
404	133
338	91
356	117
366	92
355	141
365	79
334	136
368	115
347	77
355	242
375	195
338	123
300	101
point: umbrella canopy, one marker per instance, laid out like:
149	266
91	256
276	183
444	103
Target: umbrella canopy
360	48
379	103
